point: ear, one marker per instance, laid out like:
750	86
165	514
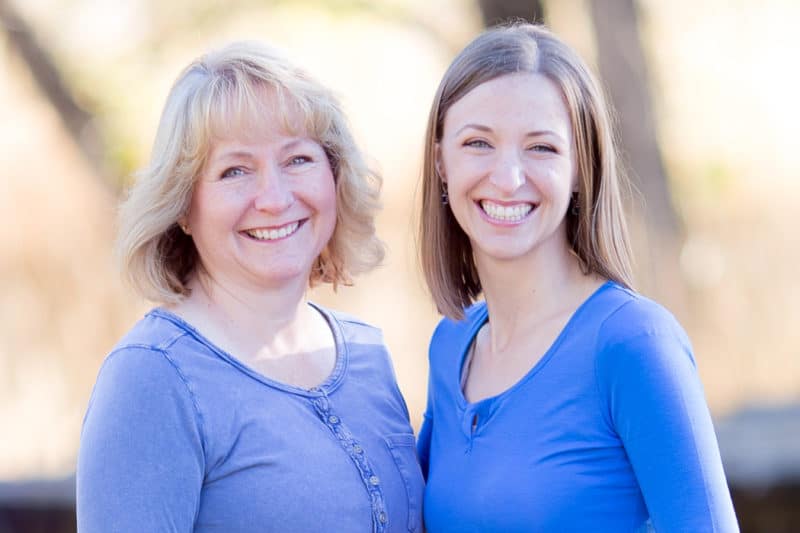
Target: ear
438	162
183	222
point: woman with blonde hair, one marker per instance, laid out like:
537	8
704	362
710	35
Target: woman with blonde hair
237	405
565	401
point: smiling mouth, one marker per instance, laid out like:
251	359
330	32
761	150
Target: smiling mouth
506	213
274	233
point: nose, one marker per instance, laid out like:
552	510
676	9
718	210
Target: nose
509	174
274	194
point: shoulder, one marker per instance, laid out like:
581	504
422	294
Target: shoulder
638	328
145	358
140	387
136	370
450	332
474	314
141	380
627	314
157	331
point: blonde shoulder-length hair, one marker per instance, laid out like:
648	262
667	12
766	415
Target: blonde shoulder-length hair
219	94
597	234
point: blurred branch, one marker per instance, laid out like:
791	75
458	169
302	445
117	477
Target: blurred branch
498	11
48	79
209	14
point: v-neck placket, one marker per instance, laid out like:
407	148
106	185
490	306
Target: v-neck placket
319	397
476	415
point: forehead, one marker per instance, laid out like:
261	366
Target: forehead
253	114
529	101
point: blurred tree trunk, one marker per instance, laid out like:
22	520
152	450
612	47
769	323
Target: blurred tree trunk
496	11
657	231
47	77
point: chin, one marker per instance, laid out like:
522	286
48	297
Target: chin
504	249
503	254
279	276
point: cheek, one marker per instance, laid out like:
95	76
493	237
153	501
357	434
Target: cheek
327	191
213	205
450	163
325	198
463	172
197	208
556	181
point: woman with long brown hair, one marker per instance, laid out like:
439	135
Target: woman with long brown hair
564	401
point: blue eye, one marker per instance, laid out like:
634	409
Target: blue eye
232	172
299	160
543	148
477	143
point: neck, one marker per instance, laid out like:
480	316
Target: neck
257	321
530	290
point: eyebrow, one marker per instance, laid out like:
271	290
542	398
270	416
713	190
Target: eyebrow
247	154
550	133
295	142
487	129
236	154
479	127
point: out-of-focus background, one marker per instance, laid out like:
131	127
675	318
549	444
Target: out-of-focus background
706	93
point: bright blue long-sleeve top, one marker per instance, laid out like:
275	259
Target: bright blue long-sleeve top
181	437
608	432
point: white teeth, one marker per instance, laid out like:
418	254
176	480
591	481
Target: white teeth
506	213
272	234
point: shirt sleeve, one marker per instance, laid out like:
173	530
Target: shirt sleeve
426	430
141	463
655	403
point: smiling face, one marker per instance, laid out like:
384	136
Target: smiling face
506	156
263	208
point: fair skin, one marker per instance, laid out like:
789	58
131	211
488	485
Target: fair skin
507	157
262	210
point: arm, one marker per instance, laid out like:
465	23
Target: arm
140	464
656	405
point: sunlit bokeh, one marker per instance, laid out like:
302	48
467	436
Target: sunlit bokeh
723	77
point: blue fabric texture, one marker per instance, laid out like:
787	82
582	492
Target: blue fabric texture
180	436
608	432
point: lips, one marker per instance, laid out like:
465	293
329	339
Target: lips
273	233
507	212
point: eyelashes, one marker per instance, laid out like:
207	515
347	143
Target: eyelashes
481	144
232	172
543	148
300	159
477	143
292	162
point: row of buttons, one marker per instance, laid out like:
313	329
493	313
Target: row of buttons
356	452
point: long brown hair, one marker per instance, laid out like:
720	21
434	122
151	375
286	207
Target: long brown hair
597	234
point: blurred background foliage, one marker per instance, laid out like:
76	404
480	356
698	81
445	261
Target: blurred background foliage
707	110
